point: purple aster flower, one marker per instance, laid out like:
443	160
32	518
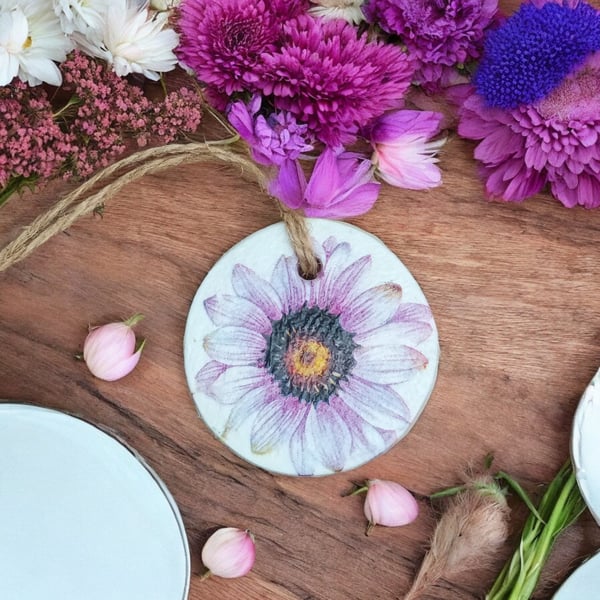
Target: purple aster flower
534	50
333	79
403	153
555	141
438	33
314	366
273	139
223	41
341	185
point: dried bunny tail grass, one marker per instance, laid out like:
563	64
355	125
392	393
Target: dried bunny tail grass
472	528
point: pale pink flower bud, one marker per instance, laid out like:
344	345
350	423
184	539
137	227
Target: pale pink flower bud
229	552
110	350
388	503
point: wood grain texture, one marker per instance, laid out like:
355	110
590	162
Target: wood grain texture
514	290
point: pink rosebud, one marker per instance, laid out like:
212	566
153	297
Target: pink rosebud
404	156
229	552
389	504
110	351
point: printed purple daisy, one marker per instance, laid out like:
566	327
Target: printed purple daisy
314	366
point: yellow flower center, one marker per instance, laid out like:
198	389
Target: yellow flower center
308	358
28	42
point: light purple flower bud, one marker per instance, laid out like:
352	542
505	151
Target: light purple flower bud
109	351
229	553
341	185
403	153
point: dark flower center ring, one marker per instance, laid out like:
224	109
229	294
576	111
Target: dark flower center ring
309	353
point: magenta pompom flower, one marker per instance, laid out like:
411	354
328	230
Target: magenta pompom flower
554	140
223	41
333	79
440	35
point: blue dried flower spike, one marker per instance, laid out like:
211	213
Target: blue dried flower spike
534	50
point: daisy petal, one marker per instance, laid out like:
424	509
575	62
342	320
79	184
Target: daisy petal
288	284
366	440
275	424
235	346
206	376
406	332
410	311
377	404
371	309
233	310
249	285
337	259
249	405
303	458
388	365
346	282
237	381
329	435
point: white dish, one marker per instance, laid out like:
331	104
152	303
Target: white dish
585	446
584	582
81	516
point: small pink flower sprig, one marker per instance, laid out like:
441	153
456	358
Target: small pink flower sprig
83	126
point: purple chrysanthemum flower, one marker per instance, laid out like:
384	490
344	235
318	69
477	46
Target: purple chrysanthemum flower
332	79
272	139
555	141
439	34
223	41
315	366
534	50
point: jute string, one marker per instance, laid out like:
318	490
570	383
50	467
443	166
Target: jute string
87	198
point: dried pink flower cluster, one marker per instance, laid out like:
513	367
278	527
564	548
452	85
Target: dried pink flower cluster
103	116
32	145
111	111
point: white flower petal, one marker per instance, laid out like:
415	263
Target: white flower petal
336	262
344	286
249	285
249	406
207	375
371	309
388	365
235	382
233	310
377	404
275	423
288	284
9	67
235	346
404	332
327	433
304	459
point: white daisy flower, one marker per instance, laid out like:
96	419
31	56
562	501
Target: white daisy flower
31	39
80	15
349	10
133	40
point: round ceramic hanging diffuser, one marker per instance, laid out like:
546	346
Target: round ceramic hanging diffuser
310	377
81	516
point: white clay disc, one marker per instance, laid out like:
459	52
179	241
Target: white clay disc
583	583
585	446
81	517
310	377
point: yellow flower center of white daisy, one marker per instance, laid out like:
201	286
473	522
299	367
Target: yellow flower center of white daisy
308	358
